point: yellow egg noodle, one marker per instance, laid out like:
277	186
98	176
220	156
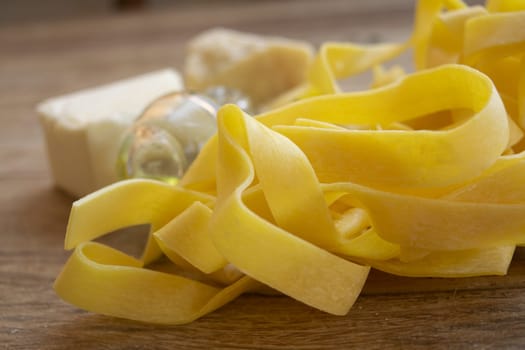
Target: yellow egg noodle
421	175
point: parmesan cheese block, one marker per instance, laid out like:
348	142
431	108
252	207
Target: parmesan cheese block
259	66
83	130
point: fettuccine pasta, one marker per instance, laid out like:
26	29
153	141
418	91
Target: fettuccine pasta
422	175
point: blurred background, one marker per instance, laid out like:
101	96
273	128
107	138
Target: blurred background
65	45
36	10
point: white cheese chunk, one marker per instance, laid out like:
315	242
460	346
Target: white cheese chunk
83	130
262	67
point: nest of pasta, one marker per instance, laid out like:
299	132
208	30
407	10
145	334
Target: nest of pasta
422	175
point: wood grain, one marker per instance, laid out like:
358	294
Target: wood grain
46	59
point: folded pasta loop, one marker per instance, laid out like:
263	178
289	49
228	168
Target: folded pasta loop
396	158
267	252
103	280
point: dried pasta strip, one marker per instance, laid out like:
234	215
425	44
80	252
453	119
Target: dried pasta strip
438	224
351	223
501	184
467	263
340	60
128	203
491	37
394	158
521	93
201	175
384	77
505	5
425	16
187	235
445	43
368	245
104	280
295	199
264	251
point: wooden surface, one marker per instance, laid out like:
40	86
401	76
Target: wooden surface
46	59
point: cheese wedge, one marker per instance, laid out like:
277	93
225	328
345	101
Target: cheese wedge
262	67
83	130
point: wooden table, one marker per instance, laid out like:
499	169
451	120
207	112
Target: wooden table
46	59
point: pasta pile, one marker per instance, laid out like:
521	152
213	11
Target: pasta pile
422	175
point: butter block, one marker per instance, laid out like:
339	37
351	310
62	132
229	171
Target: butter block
262	67
83	130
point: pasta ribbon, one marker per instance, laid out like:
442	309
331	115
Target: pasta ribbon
394	158
103	280
422	175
